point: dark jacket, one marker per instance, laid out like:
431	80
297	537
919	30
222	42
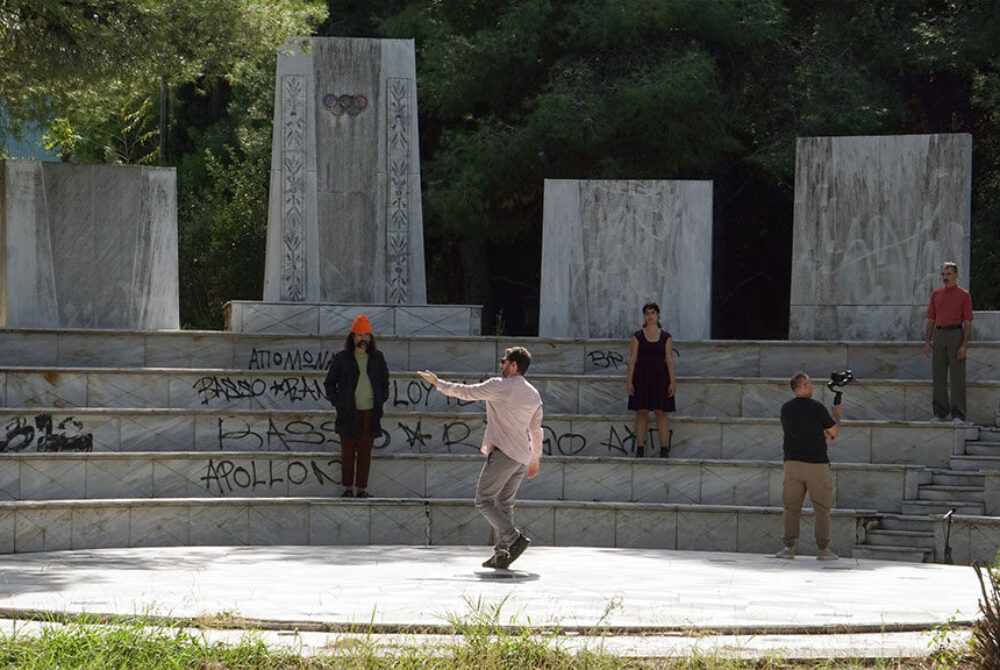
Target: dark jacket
342	379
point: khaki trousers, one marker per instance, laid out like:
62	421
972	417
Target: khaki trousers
945	368
801	477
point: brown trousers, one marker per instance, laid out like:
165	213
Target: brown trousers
801	477
358	450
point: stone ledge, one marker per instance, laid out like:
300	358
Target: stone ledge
62	525
237	475
27	430
299	318
228	350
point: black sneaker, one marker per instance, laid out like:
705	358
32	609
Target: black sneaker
516	549
640	452
363	494
347	494
498	555
664	452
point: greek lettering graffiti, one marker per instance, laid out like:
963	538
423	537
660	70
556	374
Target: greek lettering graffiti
606	359
45	436
226	476
416	393
624	443
289	359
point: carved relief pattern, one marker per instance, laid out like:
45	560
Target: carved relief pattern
293	270
398	168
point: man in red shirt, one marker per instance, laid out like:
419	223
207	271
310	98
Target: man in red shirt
949	326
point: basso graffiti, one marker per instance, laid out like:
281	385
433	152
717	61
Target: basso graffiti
290	389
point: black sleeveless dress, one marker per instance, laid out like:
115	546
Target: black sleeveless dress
651	378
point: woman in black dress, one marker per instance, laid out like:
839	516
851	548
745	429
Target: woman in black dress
650	379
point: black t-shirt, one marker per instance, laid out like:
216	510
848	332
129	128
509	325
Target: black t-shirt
804	420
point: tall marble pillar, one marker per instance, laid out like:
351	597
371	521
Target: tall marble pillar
874	219
344	219
608	247
88	246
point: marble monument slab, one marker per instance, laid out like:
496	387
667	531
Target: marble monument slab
874	219
608	247
88	246
344	220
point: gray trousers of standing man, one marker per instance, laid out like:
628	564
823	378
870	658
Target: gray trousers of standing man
947	371
498	483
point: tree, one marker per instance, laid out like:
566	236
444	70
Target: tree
76	64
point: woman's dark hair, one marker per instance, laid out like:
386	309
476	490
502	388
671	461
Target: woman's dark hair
653	306
349	343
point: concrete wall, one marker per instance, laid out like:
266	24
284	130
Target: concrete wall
608	247
874	219
344	219
88	246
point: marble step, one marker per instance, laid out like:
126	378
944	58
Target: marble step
281	474
89	524
928	507
975	463
887	553
449	429
980	448
563	394
989	434
901	538
957	493
957	478
221	349
903	522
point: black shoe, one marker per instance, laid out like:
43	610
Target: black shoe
516	549
363	494
498	555
347	494
640	452
664	452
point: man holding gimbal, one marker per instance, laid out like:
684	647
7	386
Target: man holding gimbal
807	426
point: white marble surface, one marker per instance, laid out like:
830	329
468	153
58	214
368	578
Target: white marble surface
283	318
344	219
874	219
608	247
881	487
870	360
88	246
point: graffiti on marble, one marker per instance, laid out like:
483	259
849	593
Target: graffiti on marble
606	359
417	393
289	359
291	389
45	436
227	476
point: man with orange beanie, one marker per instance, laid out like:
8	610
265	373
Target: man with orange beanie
357	385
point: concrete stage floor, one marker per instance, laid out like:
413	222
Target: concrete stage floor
629	601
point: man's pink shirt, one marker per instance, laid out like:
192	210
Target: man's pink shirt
513	414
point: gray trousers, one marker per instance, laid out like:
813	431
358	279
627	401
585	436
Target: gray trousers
947	368
498	483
